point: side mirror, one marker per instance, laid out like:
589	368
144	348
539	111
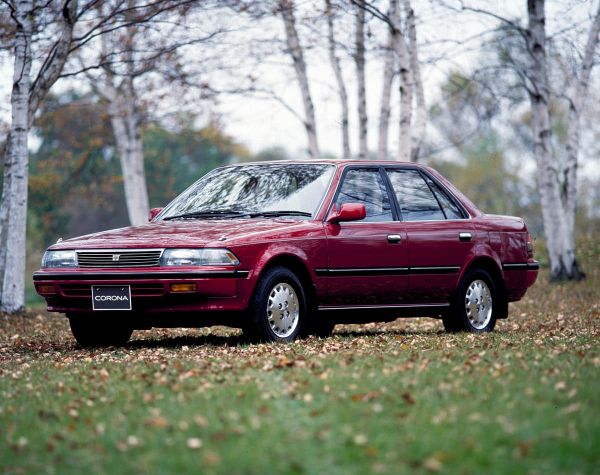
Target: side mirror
348	212
153	213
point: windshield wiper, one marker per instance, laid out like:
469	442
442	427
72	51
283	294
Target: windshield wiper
217	213
271	214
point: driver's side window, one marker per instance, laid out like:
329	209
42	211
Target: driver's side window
366	187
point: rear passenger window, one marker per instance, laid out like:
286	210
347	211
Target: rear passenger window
417	202
366	187
448	206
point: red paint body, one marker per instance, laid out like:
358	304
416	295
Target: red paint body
350	265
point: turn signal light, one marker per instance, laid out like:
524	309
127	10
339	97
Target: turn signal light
183	287
46	289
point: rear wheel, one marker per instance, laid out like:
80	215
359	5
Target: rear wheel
278	308
93	331
473	309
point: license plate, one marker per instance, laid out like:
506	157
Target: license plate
111	297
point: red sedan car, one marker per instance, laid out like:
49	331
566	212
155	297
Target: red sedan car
282	249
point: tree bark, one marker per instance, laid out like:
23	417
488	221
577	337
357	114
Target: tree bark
125	122
295	50
406	93
563	264
337	70
359	59
13	214
386	90
420	122
577	102
25	99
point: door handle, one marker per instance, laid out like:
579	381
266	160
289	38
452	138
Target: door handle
394	238
464	237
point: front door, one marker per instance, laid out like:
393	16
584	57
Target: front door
367	259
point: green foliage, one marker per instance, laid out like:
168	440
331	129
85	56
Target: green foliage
76	186
175	160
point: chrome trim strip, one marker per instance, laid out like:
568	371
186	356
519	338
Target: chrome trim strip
92	276
366	271
374	307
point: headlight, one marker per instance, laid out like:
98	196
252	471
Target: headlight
59	259
198	257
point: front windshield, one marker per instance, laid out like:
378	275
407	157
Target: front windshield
294	188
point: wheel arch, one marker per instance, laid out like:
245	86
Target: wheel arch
295	264
489	265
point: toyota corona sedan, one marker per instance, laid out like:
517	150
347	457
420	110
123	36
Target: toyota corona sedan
290	248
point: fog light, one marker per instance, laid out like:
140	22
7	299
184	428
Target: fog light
46	289
183	287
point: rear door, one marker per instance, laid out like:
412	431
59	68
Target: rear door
439	232
367	259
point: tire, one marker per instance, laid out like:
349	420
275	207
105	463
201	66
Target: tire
474	307
92	331
278	308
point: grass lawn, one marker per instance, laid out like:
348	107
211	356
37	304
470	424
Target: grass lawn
394	398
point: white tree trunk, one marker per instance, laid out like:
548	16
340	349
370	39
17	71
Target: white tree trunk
577	102
337	70
13	213
420	122
406	94
125	122
295	50
359	59
25	99
561	253
386	90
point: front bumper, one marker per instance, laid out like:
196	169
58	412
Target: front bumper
69	290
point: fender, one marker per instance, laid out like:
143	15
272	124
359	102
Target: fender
481	250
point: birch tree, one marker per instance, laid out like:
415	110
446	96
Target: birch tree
577	100
123	107
294	49
558	188
420	122
26	97
386	90
341	84
401	56
359	58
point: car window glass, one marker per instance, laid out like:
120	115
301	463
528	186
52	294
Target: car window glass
366	187
450	209
416	200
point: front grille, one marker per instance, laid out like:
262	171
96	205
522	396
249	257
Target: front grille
119	258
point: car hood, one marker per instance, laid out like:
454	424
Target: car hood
188	233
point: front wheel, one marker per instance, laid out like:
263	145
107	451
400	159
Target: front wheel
473	308
92	331
278	309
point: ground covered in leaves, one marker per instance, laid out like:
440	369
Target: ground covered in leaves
402	397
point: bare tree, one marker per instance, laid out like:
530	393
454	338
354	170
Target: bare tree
558	193
294	48
406	92
420	122
339	77
576	97
359	58
386	90
25	99
413	114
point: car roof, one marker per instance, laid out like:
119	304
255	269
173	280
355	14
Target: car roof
338	162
